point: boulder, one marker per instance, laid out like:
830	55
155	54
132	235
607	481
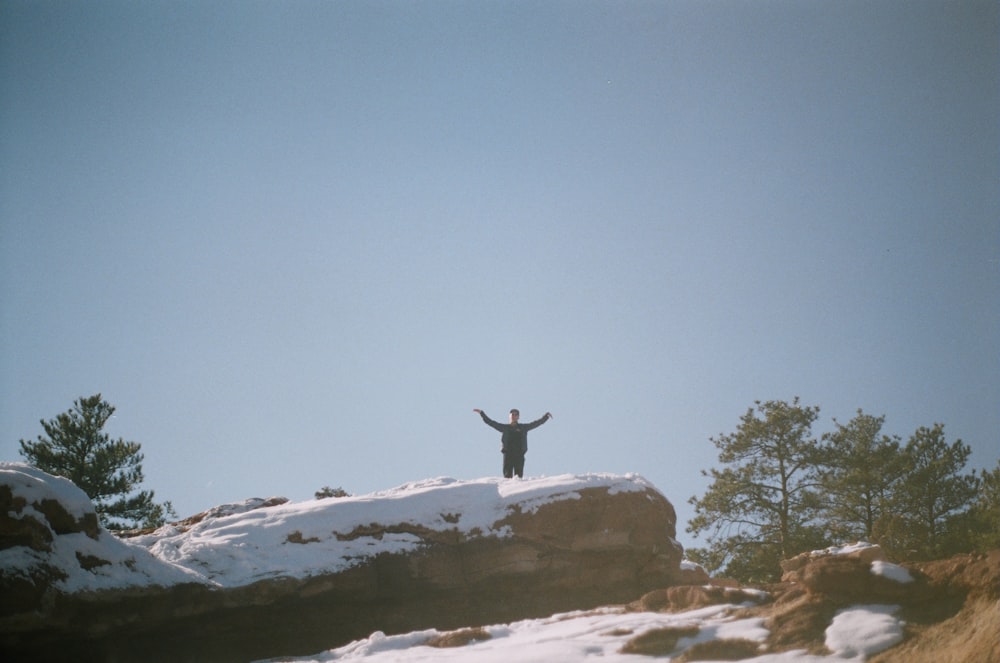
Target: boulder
693	574
865	553
852	573
950	607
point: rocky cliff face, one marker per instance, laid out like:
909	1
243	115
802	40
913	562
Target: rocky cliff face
513	551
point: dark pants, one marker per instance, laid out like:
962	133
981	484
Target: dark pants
513	464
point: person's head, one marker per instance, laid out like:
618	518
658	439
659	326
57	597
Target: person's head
514	414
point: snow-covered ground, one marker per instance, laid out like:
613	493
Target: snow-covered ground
855	634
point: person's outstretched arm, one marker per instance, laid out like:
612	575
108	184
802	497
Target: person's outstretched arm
537	422
489	422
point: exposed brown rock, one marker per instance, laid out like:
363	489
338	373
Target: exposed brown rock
62	522
659	641
720	650
951	609
694	576
798	620
972	635
28	532
296	537
89	562
849	579
957	620
975	574
459	638
688	597
863	555
18	528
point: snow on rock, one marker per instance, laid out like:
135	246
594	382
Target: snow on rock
301	539
692	573
891	571
50	529
855	549
868	553
860	551
239	544
857	573
35	486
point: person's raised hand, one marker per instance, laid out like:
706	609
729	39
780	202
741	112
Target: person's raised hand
477	410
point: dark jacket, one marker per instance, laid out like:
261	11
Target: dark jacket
515	436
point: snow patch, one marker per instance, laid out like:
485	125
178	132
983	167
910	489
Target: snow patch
863	630
846	549
597	634
600	635
891	571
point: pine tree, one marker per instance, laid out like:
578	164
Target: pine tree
933	493
108	471
985	517
760	508
861	466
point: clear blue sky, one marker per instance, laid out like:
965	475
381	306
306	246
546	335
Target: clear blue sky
295	243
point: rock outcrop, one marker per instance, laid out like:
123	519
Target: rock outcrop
67	585
956	615
948	610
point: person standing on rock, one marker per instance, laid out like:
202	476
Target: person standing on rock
513	440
